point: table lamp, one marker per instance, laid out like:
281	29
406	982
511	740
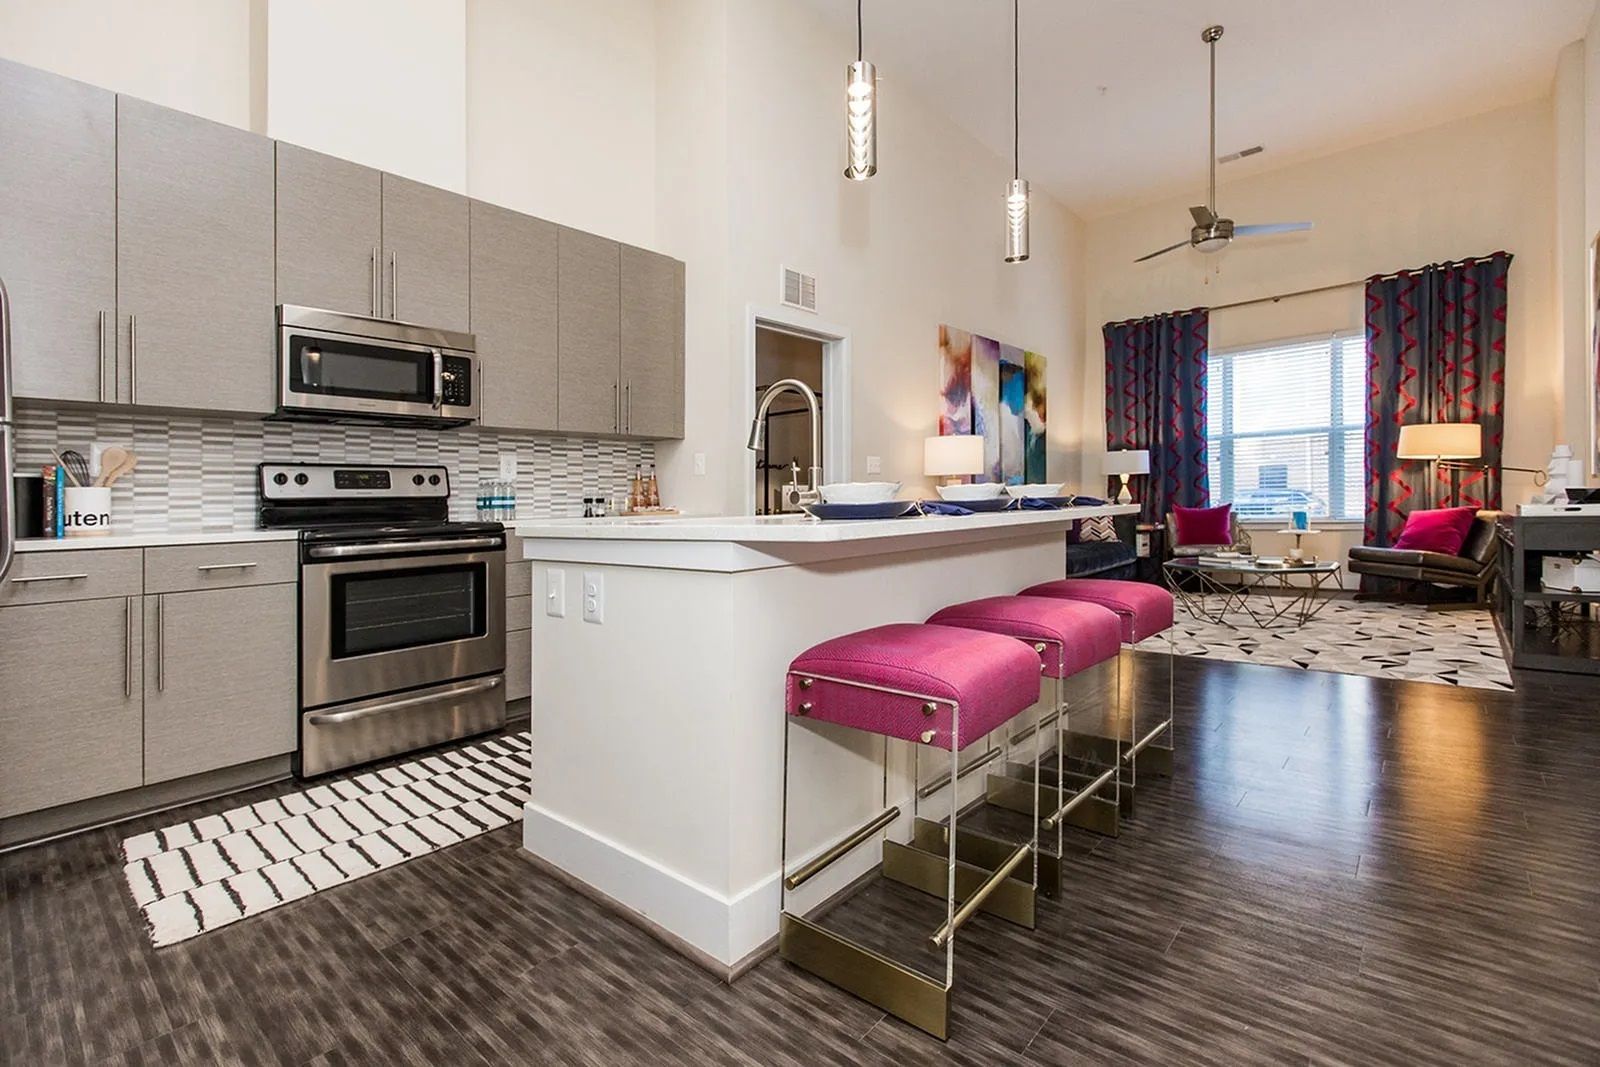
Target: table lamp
952	456
1124	463
1435	441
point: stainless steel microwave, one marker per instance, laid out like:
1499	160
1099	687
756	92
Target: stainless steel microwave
334	367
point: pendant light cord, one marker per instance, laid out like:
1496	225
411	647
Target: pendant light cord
1016	120
858	31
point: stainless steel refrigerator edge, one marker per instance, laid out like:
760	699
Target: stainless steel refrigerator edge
8	458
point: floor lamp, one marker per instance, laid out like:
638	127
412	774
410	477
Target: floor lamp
1436	441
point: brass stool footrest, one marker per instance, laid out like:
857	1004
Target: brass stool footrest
929	872
983	850
1095	815
1078	799
996	883
872	976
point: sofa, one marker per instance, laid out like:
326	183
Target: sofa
1104	559
1475	568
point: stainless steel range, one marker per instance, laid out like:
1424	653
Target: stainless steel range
402	612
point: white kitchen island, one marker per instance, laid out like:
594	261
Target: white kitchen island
658	731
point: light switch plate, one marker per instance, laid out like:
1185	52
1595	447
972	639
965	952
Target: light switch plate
874	464
555	593
594	597
699	462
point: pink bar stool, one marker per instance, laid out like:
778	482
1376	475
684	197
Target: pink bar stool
937	686
1071	638
1145	611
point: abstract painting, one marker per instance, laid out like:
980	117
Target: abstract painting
986	403
955	381
1013	394
1033	415
997	392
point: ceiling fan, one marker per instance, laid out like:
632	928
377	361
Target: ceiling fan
1212	232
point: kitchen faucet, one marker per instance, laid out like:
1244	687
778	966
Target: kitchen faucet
792	493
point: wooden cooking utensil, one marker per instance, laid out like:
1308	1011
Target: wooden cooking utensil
110	460
122	470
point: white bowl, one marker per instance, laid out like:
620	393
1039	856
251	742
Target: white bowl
1036	489
974	491
859	492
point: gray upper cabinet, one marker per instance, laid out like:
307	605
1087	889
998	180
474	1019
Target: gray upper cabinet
330	232
514	317
425	248
217	694
71	716
58	232
194	260
589	287
652	344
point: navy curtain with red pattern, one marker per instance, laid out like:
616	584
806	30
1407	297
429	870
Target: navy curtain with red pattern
1156	400
1436	352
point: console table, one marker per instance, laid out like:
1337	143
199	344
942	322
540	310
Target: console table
1539	630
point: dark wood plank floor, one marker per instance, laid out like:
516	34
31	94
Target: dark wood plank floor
1344	871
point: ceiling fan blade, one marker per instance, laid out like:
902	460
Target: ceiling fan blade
1202	216
1234	157
1270	227
1164	251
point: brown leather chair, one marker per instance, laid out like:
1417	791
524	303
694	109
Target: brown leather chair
1474	568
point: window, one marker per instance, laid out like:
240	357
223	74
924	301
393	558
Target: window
1285	423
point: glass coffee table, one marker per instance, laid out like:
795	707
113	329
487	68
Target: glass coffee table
1210	590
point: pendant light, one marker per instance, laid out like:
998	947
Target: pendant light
861	114
1017	188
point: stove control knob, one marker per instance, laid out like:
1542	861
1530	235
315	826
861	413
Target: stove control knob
416	479
280	479
301	479
433	479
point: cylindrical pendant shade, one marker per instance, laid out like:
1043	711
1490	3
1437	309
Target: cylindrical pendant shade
1017	220
952	454
861	121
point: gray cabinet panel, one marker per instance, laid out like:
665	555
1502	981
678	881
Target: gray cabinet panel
330	231
652	344
70	719
514	316
425	249
219	680
589	295
182	568
72	574
58	232
519	664
194	260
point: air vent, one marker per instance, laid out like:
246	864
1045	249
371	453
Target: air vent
799	290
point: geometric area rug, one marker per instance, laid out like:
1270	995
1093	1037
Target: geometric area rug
1379	640
197	876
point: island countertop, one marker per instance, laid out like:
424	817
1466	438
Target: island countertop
802	529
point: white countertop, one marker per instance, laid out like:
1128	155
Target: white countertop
801	529
159	539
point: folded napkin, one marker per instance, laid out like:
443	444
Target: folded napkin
1033	503
942	507
1087	501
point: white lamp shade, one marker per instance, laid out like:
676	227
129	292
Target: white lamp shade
952	454
1440	440
1127	461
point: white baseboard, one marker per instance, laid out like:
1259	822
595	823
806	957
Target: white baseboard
723	928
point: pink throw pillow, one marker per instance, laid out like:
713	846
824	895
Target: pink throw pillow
1437	530
1203	526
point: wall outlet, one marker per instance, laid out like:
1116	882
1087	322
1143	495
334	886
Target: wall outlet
699	462
594	596
555	593
874	464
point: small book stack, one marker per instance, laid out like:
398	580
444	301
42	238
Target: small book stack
55	509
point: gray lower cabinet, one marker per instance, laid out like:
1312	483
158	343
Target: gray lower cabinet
426	247
218	693
330	232
519	664
514	317
652	344
70	717
58	232
589	336
195	260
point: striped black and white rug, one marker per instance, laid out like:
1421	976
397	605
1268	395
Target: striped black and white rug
196	876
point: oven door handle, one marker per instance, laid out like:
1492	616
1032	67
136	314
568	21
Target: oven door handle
335	718
383	548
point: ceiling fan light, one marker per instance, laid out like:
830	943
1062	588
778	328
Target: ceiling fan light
1212	244
1017	220
861	121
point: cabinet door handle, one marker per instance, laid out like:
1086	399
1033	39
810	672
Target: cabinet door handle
394	286
372	281
161	644
127	646
50	578
225	566
133	359
616	407
627	401
100	327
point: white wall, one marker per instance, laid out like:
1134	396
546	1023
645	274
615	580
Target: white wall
194	55
561	112
380	82
1465	188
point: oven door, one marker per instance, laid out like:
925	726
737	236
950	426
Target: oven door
371	626
327	374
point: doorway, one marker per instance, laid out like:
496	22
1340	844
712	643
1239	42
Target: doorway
780	344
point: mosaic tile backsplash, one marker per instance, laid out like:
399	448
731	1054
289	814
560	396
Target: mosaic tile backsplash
200	473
